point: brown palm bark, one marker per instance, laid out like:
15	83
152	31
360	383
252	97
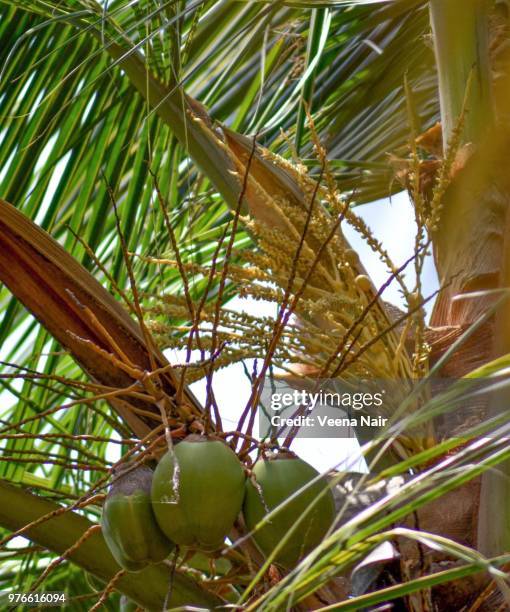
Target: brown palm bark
100	334
471	252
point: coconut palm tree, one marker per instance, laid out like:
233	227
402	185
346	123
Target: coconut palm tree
159	158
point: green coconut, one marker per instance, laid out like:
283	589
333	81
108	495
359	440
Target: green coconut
197	492
128	523
278	478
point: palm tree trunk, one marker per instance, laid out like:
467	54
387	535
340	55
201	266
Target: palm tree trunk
469	244
460	31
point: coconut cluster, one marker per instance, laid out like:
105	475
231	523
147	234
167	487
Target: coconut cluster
198	491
